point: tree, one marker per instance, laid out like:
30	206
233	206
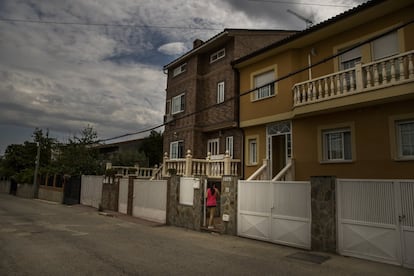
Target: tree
78	156
152	147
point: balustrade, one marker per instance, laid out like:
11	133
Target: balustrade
397	69
190	166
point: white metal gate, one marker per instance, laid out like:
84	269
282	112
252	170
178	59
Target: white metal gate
91	190
376	220
275	211
150	200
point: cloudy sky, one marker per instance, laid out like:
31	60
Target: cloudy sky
68	64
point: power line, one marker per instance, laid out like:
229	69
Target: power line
272	82
301	3
30	21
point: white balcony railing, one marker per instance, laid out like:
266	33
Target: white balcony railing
390	71
190	166
136	171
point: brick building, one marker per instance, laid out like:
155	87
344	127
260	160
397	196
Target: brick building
201	104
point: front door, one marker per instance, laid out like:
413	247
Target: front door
279	146
279	156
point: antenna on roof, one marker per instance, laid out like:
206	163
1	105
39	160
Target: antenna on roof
308	22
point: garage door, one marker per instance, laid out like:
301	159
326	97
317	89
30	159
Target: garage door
275	211
376	220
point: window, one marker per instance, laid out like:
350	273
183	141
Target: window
178	104
252	151
337	145
213	146
350	58
220	92
405	138
177	149
168	107
266	87
385	46
180	69
229	145
217	55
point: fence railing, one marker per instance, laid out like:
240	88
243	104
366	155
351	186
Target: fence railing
212	168
390	71
138	172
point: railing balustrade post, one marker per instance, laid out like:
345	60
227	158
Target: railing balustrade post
188	163
208	165
227	163
164	165
359	85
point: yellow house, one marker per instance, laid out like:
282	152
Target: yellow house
334	100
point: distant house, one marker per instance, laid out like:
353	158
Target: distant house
202	108
110	150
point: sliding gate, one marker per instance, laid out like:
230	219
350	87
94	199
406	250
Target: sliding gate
275	211
376	220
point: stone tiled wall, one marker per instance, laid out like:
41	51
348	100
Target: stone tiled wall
229	203
323	201
190	217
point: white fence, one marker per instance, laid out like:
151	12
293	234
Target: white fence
91	190
376	220
275	211
150	200
123	195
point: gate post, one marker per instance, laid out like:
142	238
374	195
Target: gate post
323	202
228	199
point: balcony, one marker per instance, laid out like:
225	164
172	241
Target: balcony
212	168
363	78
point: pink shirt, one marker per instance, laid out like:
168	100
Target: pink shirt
211	199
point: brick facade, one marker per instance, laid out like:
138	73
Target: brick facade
203	118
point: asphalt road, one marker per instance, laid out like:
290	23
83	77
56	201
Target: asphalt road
40	238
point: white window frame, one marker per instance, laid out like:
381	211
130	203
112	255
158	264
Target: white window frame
230	145
264	91
220	92
328	146
213	146
178	104
179	69
175	149
409	140
217	55
252	144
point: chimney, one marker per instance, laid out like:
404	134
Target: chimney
197	43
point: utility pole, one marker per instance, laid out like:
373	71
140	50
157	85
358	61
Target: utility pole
35	184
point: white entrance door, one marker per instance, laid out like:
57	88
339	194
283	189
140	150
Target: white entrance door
376	220
278	212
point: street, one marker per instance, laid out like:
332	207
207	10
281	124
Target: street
41	238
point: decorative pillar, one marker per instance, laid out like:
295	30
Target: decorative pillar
164	164
227	164
188	163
